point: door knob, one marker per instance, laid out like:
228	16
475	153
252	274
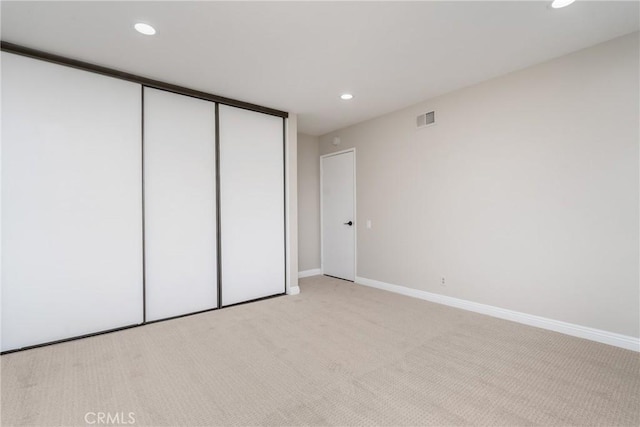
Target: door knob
350	223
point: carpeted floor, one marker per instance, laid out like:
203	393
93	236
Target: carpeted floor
337	354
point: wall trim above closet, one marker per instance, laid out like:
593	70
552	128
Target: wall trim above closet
155	84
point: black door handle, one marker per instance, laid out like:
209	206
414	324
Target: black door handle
348	223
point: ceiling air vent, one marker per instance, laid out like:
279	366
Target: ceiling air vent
426	119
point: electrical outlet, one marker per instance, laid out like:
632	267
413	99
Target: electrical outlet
442	281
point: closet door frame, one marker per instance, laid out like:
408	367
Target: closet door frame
144	81
181	90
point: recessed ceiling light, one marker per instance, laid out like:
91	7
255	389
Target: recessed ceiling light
145	29
557	4
346	96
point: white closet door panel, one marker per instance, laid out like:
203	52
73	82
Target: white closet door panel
180	204
71	202
252	205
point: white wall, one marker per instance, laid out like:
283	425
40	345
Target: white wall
308	202
291	183
524	195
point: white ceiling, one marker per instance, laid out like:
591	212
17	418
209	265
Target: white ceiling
300	56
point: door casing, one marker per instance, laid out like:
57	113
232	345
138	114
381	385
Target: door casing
355	210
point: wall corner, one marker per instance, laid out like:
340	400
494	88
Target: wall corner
291	200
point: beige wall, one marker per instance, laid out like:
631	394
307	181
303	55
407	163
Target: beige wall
524	195
308	202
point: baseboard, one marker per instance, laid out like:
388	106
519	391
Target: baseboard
605	337
309	273
295	290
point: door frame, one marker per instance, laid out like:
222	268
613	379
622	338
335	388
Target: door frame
355	210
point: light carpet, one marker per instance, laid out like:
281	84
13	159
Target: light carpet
336	354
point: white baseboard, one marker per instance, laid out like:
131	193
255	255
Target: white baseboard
611	338
295	290
309	273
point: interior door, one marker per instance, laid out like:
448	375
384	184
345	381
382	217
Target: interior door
338	215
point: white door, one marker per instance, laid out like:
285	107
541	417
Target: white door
71	202
251	205
338	214
180	204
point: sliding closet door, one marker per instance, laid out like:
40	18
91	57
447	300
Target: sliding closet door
71	202
180	204
252	205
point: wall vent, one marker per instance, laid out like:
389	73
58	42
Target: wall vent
426	119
